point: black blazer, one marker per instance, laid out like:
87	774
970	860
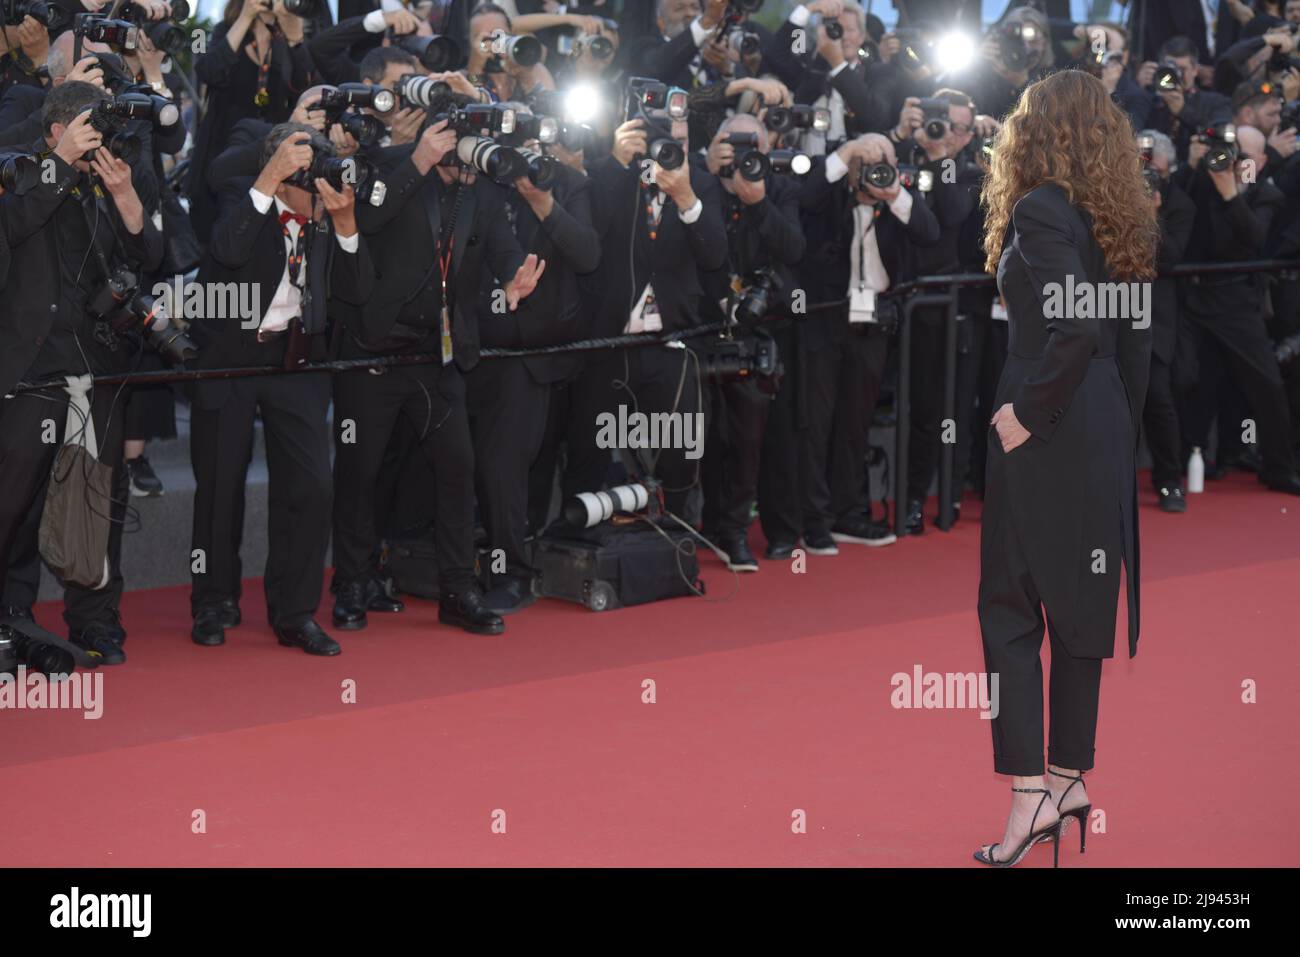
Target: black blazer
1077	383
828	227
248	248
1176	217
568	242
403	234
669	262
241	154
32	304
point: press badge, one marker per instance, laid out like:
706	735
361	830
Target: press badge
999	309
862	304
445	322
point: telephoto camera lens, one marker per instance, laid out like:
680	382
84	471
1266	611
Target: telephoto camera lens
601	48
501	164
541	168
588	509
418	90
19	173
746	44
367	130
525	51
437	54
669	154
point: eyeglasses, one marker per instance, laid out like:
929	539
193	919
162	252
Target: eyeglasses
961	129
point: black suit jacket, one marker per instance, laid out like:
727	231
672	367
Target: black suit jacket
32	304
403	234
1176	217
828	227
248	249
568	243
669	262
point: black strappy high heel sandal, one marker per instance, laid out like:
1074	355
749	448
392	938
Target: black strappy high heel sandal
1081	813
1052	831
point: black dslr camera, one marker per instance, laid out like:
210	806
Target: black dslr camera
341	172
934	118
1147	150
415	90
906	175
1168	78
657	105
167	35
1013	44
1221	138
748	160
787	119
19	172
742	41
343	106
111	115
18	648
571	132
47	14
437	54
123	308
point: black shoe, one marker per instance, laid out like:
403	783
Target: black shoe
144	482
466	610
353	600
739	557
915	524
778	551
1290	484
211	622
861	530
509	596
1171	499
102	642
820	543
311	638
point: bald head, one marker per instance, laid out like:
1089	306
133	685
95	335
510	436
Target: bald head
1251	143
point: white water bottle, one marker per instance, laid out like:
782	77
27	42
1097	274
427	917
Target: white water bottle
1196	471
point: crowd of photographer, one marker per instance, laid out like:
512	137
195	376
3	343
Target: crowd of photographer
400	190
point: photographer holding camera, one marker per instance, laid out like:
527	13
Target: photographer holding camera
760	208
863	225
831	75
442	227
1176	216
942	127
255	65
289	238
1234	210
660	220
1015	52
69	231
1181	106
509	398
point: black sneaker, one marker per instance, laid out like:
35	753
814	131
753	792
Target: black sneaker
144	483
778	551
100	641
509	596
861	530
819	543
1171	499
738	556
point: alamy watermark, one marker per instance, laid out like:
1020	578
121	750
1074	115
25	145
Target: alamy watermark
1098	300
31	690
934	690
652	430
178	299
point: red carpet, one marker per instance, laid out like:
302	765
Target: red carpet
775	699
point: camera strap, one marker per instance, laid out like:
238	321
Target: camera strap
444	252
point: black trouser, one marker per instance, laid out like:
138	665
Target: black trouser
1160	424
541	477
736	413
508	417
1229	327
25	462
432	398
1011	621
926	399
649	379
815	447
294	412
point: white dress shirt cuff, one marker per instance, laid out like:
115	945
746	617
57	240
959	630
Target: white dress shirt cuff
261	202
839	69
374	22
901	207
349	244
688	216
835	168
800	16
700	33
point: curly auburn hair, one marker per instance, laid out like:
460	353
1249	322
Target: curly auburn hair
1066	130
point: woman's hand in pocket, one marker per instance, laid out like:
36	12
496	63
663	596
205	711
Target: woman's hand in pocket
1011	433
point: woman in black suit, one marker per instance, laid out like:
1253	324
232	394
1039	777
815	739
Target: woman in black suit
1067	212
255	66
